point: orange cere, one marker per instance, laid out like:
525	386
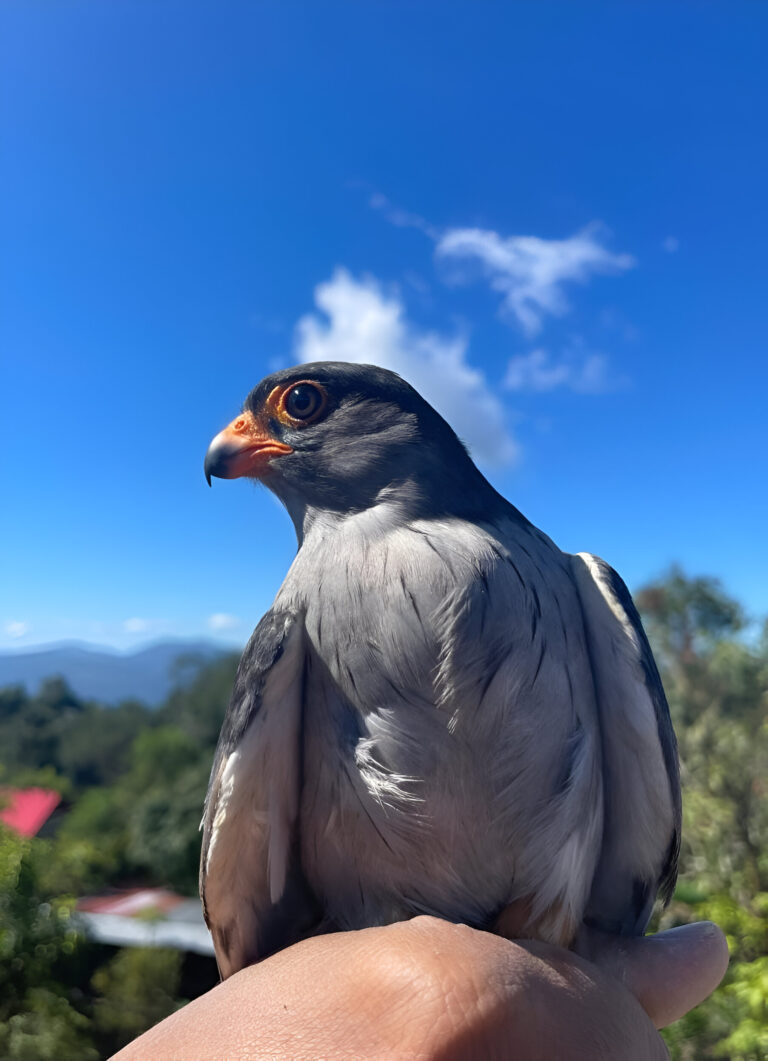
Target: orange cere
248	447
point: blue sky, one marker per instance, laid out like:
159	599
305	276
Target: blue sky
550	216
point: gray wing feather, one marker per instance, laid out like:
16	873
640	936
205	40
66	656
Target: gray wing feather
255	898
641	840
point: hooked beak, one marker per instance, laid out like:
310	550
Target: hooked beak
242	448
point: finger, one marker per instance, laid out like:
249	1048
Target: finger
668	973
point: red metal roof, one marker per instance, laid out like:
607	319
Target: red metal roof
25	810
131	903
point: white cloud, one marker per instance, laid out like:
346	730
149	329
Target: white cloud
367	326
537	371
671	244
220	621
16	628
137	625
401	218
531	272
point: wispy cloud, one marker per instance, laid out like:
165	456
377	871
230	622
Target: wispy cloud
16	628
136	625
584	374
221	621
531	272
364	324
402	218
671	244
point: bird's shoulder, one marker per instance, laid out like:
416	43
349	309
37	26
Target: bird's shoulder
264	649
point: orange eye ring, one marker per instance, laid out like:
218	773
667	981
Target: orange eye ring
304	402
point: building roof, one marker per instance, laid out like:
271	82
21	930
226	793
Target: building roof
146	917
25	810
132	902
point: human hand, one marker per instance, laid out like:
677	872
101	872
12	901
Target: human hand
428	988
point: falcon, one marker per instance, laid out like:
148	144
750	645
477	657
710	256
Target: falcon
441	713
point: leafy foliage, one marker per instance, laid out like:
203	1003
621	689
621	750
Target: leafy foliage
39	945
48	1029
137	988
717	684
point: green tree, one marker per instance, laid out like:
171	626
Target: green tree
39	945
89	850
164	823
198	707
136	989
95	748
717	684
32	729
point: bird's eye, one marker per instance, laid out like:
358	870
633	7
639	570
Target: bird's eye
304	401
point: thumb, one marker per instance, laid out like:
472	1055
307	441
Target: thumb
668	973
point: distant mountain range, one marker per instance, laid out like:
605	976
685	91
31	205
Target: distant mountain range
95	672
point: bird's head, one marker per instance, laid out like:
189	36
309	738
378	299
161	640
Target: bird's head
340	437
